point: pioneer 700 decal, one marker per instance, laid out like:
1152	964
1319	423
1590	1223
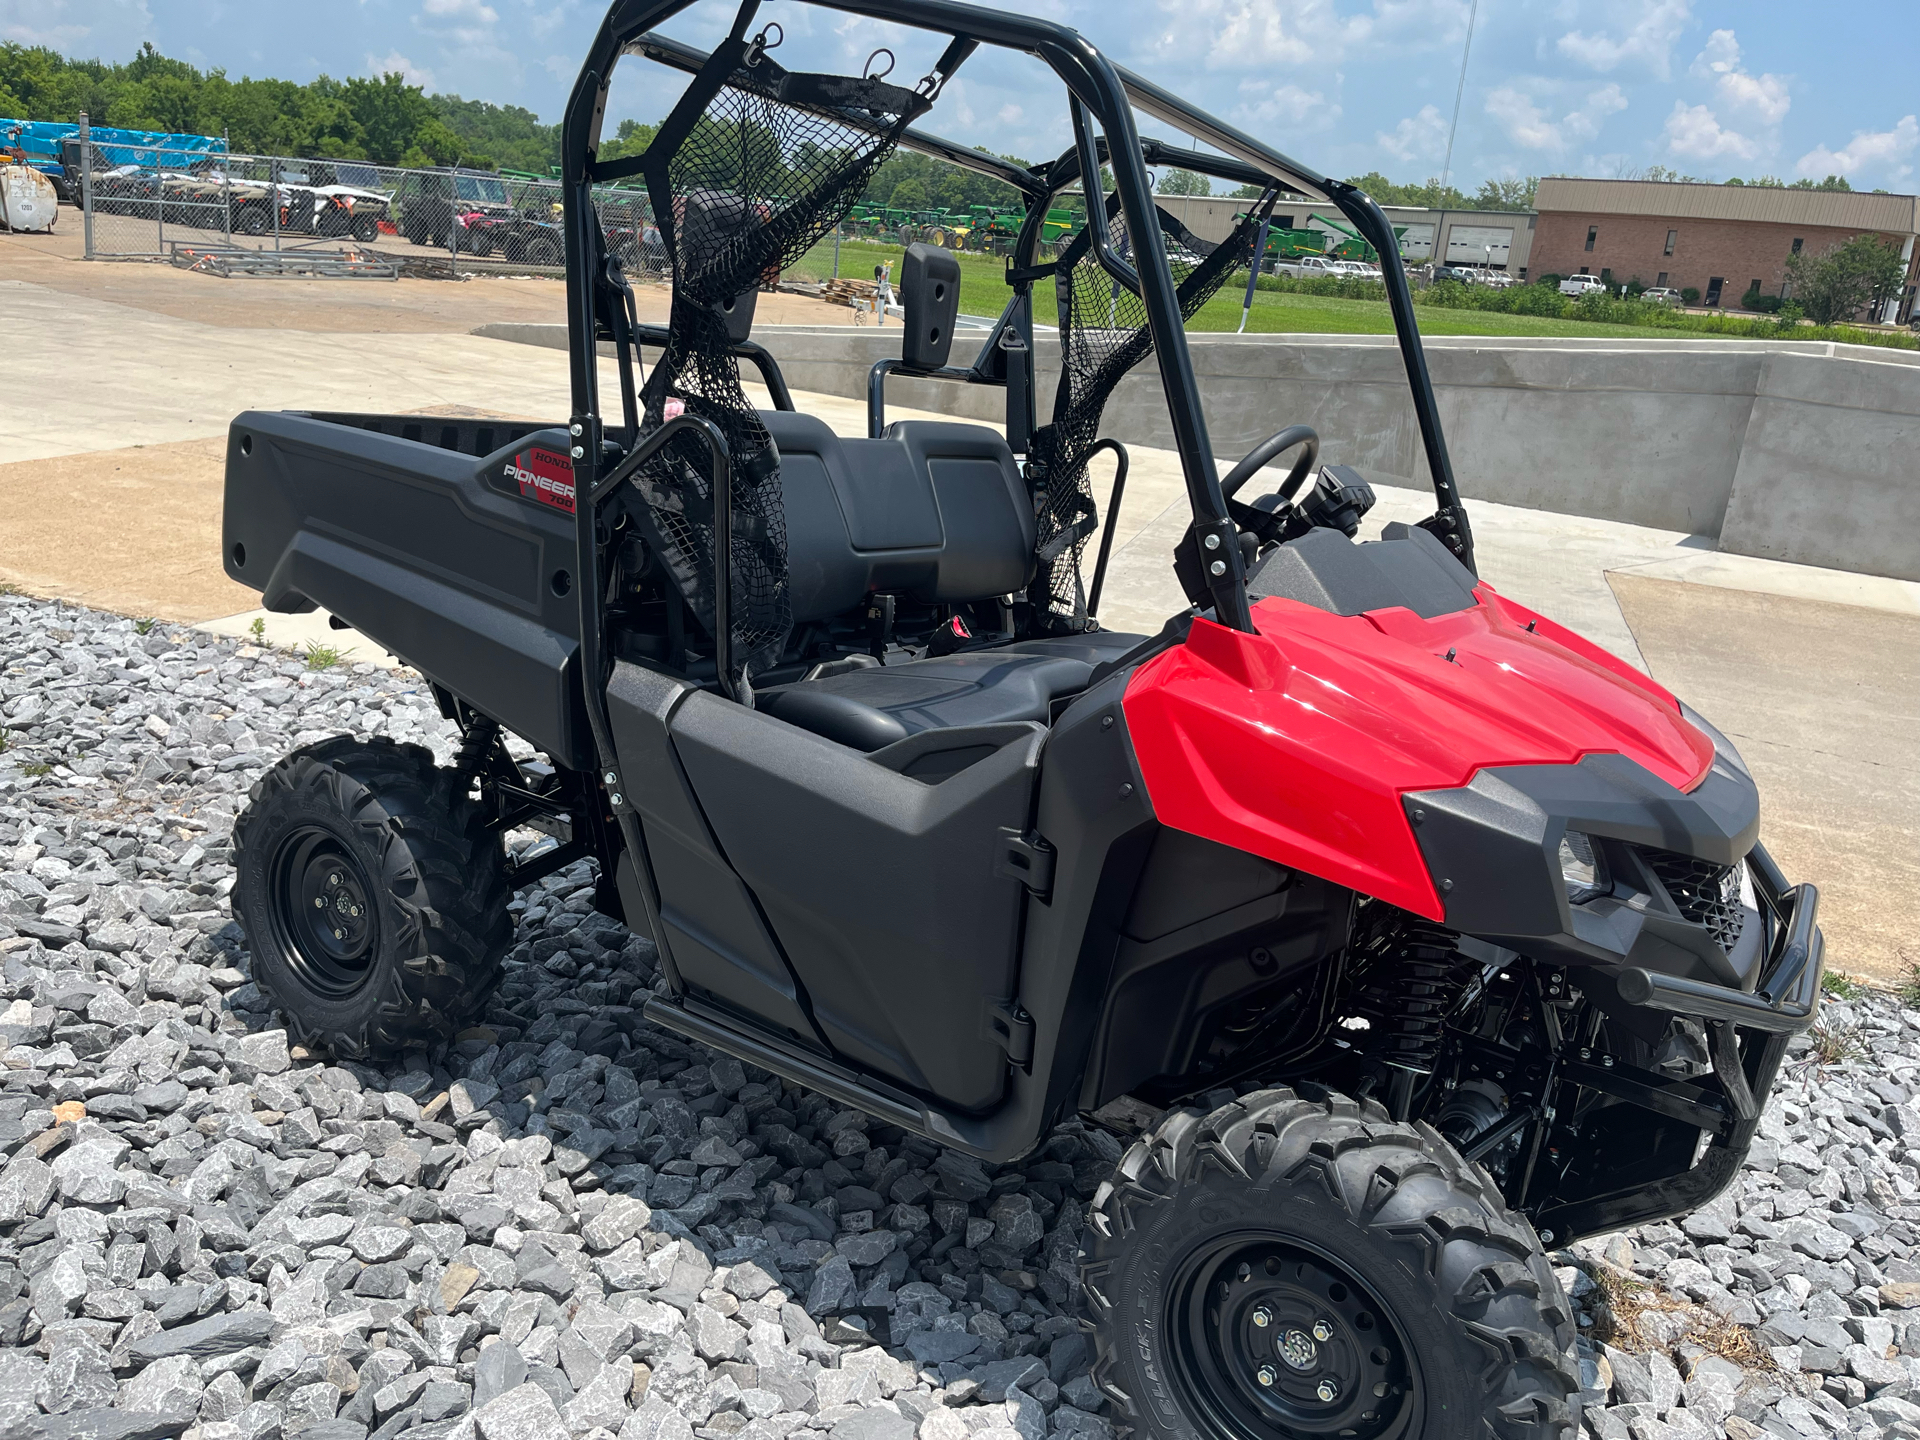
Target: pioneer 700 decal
544	476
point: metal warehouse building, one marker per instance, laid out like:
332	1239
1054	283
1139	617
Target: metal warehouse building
1722	240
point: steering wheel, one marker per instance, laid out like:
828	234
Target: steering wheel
1268	450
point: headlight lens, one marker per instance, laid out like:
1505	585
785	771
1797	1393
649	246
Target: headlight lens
1583	869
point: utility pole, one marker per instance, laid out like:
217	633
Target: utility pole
1446	169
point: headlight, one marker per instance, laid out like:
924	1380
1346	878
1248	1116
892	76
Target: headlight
1583	869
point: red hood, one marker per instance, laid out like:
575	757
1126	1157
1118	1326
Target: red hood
1298	742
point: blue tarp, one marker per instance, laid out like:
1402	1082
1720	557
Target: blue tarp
40	141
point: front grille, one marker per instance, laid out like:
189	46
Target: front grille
1707	894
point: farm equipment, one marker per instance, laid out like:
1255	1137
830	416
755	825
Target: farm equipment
1399	930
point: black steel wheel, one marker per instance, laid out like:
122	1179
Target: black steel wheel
1296	1265
373	897
321	906
1273	1337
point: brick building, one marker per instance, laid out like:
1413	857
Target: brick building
1722	240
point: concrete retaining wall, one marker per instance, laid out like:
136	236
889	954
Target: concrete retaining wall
1794	450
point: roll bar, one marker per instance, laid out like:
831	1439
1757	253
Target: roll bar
1099	92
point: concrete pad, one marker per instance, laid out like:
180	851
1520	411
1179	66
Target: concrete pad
1823	701
135	530
1780	577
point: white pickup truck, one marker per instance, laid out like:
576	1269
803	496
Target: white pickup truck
1578	285
1309	266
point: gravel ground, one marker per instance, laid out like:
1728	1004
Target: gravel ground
575	1225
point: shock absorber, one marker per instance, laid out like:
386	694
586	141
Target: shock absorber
1413	979
475	747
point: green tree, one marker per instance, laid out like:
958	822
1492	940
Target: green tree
1247	192
513	136
1838	284
1506	194
393	115
1431	195
910	194
1184	182
632	138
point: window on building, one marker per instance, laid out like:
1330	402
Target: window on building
1798	241
1672	236
1583	269
1714	287
1661	283
1593	233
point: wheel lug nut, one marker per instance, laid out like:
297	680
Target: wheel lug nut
319	902
1322	1330
334	879
1266	1375
1262	1317
339	934
1328	1390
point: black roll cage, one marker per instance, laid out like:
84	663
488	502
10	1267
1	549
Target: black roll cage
1099	90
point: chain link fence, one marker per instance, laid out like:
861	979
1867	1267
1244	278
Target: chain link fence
272	214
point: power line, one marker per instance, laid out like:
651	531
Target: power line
1446	170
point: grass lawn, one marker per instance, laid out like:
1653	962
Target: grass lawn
983	291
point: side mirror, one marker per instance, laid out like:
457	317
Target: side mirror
930	298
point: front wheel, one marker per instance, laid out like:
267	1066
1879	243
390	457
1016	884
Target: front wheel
373	896
1290	1267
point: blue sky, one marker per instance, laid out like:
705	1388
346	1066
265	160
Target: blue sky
1599	87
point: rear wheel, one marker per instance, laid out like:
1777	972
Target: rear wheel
373	896
1291	1267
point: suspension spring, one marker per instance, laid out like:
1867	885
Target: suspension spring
476	745
1413	979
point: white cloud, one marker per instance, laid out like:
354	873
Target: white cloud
1718	56
465	22
1695	132
472	10
1241	34
1418	137
1264	106
108	28
1646	42
395	61
1764	97
1010	114
1532	127
1881	150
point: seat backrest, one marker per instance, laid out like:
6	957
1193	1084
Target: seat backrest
934	510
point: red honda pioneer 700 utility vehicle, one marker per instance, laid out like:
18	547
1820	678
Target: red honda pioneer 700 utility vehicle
1426	931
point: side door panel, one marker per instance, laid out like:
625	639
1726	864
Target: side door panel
880	887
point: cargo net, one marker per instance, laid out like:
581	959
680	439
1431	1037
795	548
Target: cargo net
1103	335
756	172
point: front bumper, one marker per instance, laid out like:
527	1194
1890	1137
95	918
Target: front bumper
1748	1034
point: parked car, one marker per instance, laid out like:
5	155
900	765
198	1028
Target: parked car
1463	274
1307	267
1661	295
1578	285
1498	279
1357	269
